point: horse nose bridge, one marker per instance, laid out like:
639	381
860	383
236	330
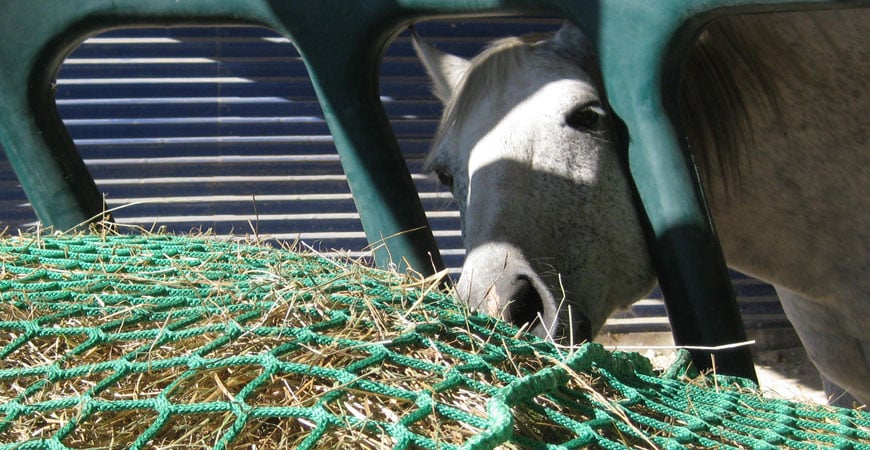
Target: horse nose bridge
496	191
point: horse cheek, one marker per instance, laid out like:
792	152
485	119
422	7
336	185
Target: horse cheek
632	267
606	253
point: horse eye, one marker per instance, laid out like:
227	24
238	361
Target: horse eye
445	178
583	117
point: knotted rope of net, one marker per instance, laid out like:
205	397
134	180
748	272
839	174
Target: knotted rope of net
158	341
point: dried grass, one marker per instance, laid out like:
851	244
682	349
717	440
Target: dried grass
293	306
246	341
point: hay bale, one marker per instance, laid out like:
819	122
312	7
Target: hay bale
161	341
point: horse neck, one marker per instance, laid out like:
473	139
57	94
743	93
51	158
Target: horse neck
786	182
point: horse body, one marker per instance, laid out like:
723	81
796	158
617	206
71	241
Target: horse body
531	152
799	220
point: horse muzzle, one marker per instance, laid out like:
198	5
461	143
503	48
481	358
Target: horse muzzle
500	283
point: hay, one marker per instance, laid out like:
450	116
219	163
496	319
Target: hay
160	341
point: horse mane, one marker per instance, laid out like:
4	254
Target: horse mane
724	83
500	57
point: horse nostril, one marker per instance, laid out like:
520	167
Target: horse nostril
525	302
581	328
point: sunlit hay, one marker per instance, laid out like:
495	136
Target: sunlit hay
144	385
583	400
165	341
126	426
38	350
273	433
39	425
199	430
14	387
345	315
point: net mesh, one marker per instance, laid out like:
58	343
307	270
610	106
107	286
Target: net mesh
156	341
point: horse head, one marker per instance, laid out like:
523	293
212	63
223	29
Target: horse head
535	160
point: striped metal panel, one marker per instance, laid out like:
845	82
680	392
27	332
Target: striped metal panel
219	128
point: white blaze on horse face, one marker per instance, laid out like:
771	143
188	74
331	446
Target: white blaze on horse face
550	204
528	122
550	228
516	191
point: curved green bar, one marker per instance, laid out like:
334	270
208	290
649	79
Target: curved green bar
639	44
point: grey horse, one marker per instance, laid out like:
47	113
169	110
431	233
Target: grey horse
776	115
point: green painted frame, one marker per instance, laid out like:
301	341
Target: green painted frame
639	42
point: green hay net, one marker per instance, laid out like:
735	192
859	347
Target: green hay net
163	341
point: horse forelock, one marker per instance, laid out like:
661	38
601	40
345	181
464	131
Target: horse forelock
495	62
485	78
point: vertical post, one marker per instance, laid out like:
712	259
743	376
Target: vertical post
342	44
634	39
33	44
343	60
38	147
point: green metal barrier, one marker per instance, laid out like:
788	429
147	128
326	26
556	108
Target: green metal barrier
341	42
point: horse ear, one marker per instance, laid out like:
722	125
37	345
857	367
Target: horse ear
445	70
571	40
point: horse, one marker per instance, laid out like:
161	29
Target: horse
774	110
